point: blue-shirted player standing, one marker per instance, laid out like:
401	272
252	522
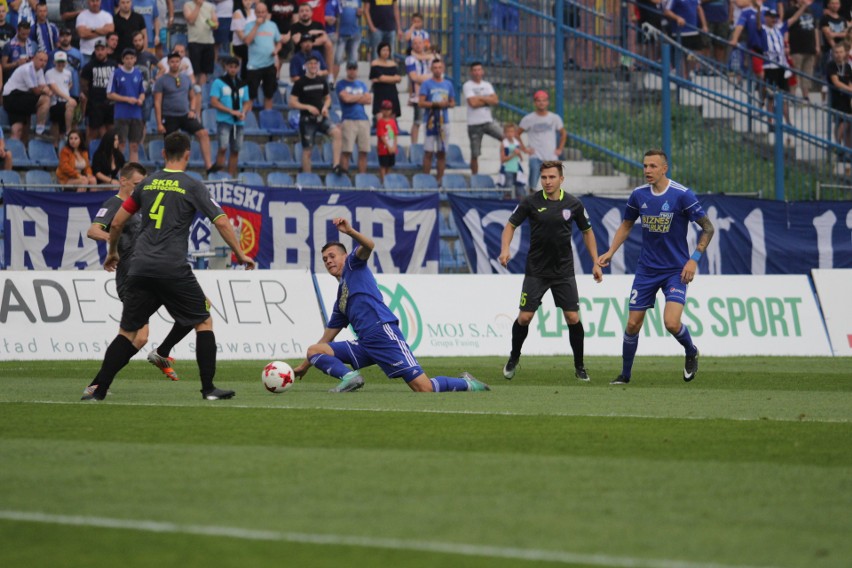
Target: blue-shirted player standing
380	342
666	208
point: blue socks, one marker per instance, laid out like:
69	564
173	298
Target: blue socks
685	339
628	353
448	384
330	365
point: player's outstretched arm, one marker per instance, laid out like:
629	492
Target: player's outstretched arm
687	275
592	247
366	244
621	235
505	241
223	225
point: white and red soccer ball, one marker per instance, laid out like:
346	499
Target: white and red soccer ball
277	377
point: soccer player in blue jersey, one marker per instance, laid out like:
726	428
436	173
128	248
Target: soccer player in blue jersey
666	208
380	342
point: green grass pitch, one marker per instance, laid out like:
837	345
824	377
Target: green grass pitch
749	466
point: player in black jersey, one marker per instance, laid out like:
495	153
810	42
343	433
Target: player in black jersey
550	261
159	274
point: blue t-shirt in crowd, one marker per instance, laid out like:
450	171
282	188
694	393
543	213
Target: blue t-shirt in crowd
149	12
349	21
224	92
261	52
438	91
352	111
126	84
688	10
755	41
332	8
715	10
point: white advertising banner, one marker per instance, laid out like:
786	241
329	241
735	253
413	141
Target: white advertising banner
727	315
834	288
262	314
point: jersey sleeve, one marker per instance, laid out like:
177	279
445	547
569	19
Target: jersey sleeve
200	197
581	217
691	206
521	212
107	212
338	319
631	212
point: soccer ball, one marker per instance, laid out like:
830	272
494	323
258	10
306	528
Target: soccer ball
277	376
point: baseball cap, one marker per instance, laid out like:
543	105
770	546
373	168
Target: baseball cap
65	31
128	51
311	57
772	13
59	56
541	95
352	65
100	42
387	105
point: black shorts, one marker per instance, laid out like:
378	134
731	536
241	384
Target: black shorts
387	161
265	76
99	114
57	115
202	57
309	127
564	292
693	42
181	295
775	76
20	106
175	123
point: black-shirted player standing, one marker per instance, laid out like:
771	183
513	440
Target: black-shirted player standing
159	274
550	261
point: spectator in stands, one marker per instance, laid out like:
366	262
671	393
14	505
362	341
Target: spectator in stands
174	101
146	63
649	19
107	160
19	50
804	37
332	8
833	26
383	21
283	14
688	18
353	95
93	24
44	33
511	151
754	41
387	133
264	43
839	74
312	97
75	58
480	97
297	62
230	97
384	73
62	105
243	14
127	22
348	32
201	21
542	128
5	154
24	10
150	12
94	81
775	66
68	12
74	168
185	64
176	25
127	91
416	30
305	25
418	67
7	30
222	33
26	93
112	48
718	17
437	96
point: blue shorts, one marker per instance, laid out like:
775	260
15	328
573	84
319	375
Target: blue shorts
644	293
384	346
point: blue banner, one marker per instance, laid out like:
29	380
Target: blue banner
280	228
753	236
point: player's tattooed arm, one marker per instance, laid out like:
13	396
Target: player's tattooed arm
707	231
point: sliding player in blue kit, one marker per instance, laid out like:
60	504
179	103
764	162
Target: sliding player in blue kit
666	208
380	341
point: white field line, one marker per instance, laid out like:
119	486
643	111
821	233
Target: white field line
530	554
218	404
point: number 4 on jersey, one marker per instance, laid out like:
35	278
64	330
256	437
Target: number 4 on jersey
156	212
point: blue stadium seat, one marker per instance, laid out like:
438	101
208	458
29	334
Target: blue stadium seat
373	158
19	153
155	151
205	94
404	163
317	159
278	153
455	159
218	176
454	182
4	120
196	160
43	154
93	147
482	181
274	123
335	180
143	156
251	127
279	98
252	178
151	125
208	120
40	177
424	181
195	175
448	258
367	181
447	225
396	182
309	180
279	179
10	177
415	154
251	156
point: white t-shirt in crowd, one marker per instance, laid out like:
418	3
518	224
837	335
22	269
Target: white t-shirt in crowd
224	9
24	78
92	21
239	25
481	115
542	134
63	81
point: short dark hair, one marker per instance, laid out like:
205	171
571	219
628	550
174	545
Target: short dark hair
657	152
476	64
130	168
330	244
175	145
416	15
551	164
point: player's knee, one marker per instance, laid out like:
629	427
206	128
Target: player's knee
524	318
319	349
673	326
572	317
